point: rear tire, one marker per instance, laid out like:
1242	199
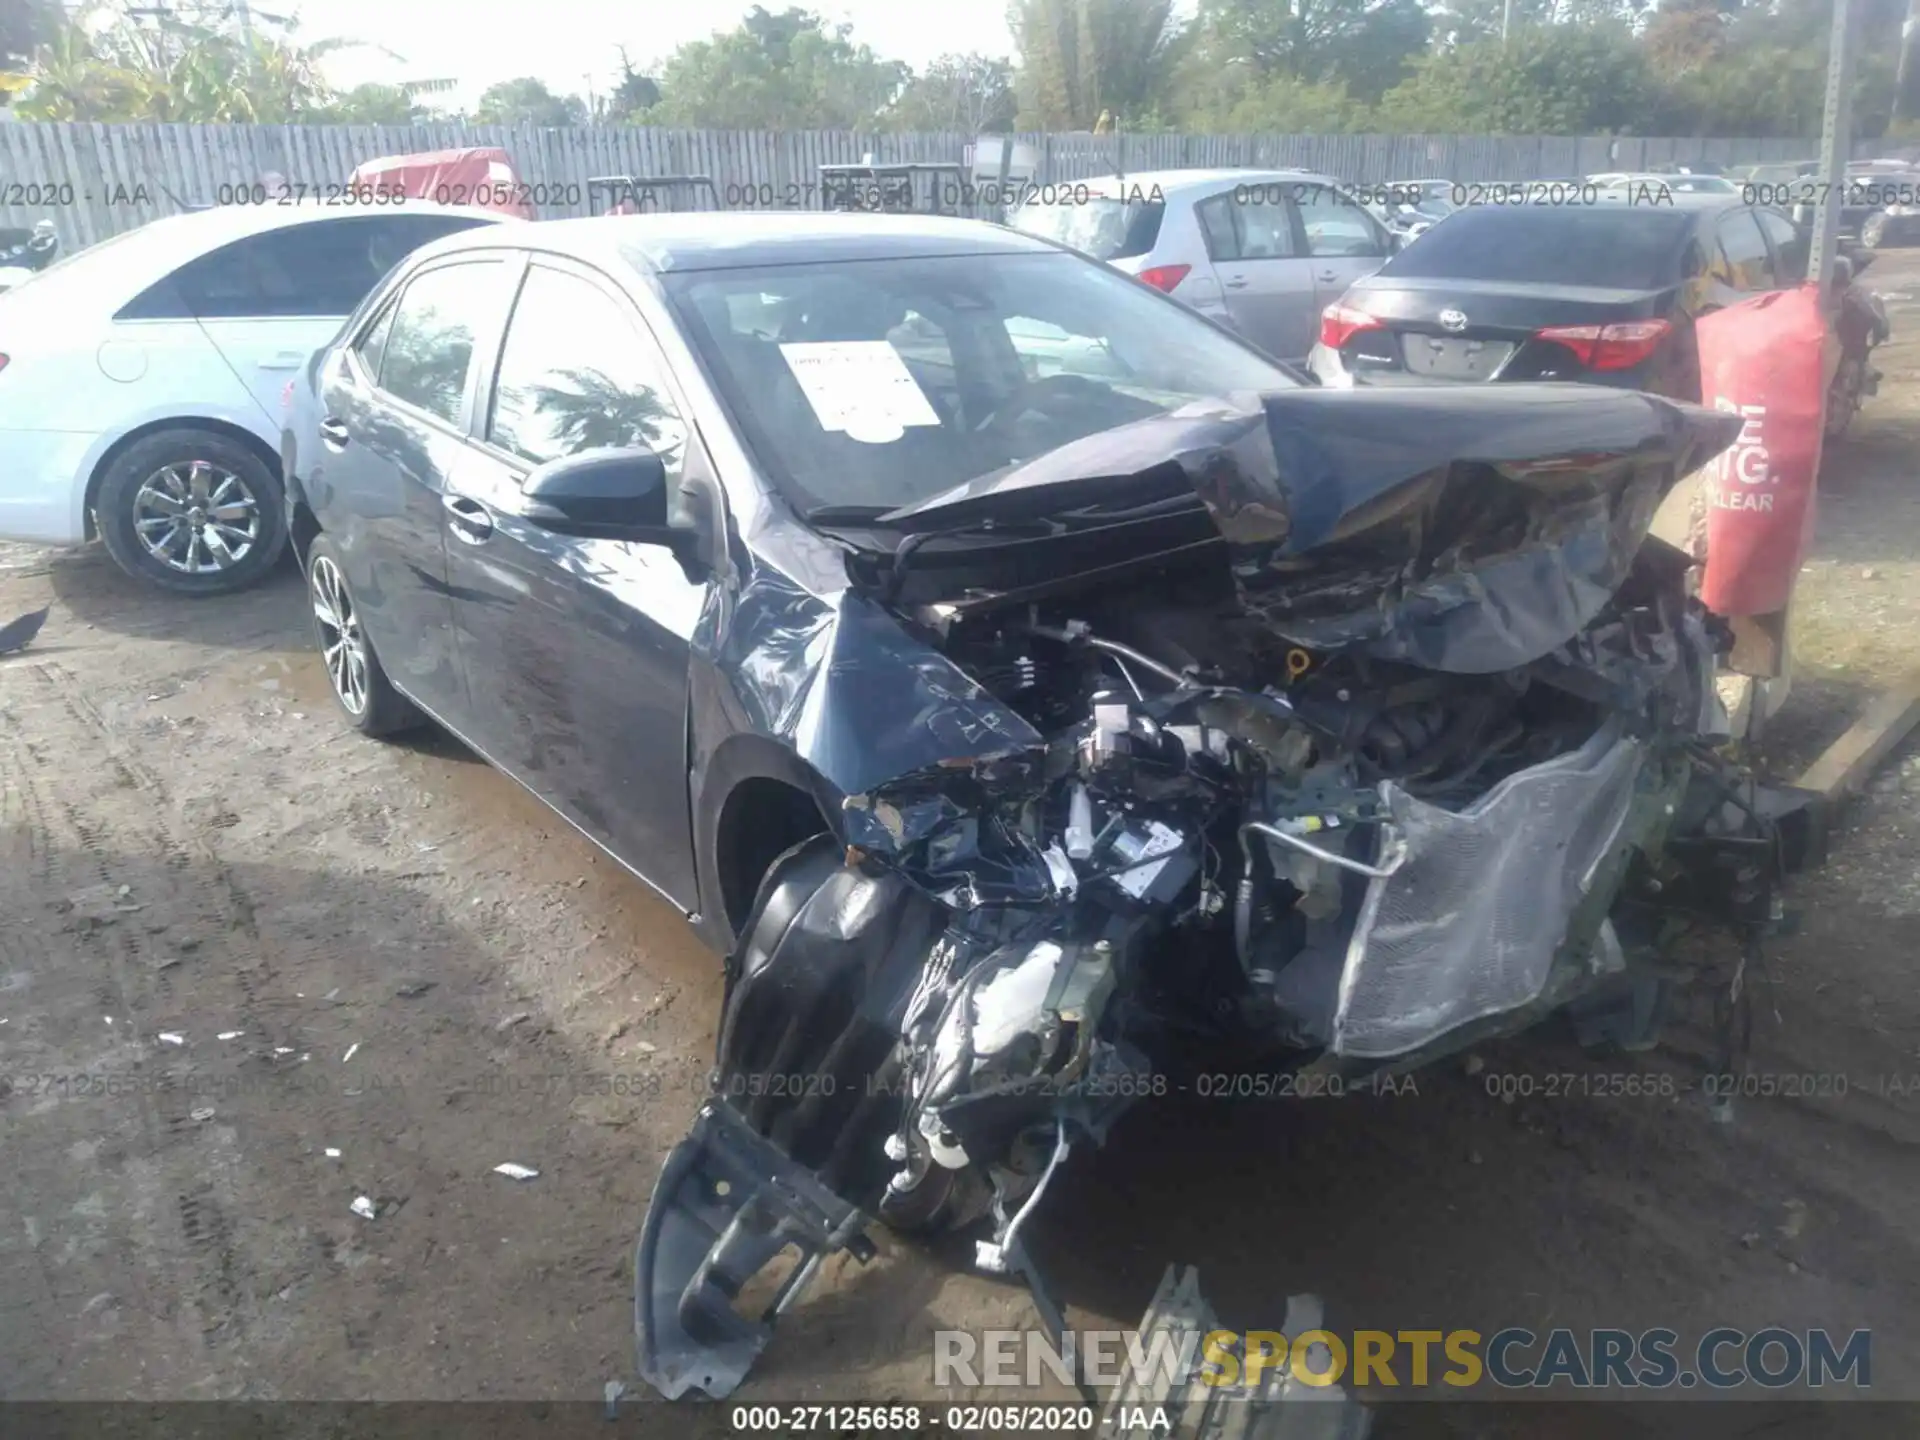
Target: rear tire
1873	231
360	687
192	511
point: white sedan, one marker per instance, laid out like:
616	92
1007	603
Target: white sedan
141	379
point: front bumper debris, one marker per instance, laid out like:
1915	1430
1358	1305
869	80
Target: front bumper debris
728	1202
1280	1406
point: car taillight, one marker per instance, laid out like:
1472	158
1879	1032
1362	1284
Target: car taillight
1609	347
1164	277
3	362
1340	323
286	399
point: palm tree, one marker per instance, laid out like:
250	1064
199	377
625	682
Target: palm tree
592	411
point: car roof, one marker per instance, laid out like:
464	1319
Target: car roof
198	231
1169	181
1671	200
1664	177
1697	207
158	248
727	240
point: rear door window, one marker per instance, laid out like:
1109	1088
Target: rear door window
1247	227
1265	232
1217	225
428	351
314	269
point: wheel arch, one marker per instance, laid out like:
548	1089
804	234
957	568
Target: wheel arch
757	801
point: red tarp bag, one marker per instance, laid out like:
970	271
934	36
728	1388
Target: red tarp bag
1766	359
481	177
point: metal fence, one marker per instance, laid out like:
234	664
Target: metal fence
96	180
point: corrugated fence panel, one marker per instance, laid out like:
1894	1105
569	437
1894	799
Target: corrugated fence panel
96	180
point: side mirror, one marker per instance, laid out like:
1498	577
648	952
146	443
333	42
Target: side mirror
602	494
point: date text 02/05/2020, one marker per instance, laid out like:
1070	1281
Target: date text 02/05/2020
966	1420
808	195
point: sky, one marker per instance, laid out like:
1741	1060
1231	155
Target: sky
564	41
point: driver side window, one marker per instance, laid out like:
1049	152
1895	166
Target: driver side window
576	375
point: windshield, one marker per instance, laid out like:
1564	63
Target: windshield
877	384
1626	248
1100	226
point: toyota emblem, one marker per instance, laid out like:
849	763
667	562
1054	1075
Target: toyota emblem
1453	320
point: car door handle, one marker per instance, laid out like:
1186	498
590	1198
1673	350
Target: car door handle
1239	284
285	360
468	519
1329	276
333	433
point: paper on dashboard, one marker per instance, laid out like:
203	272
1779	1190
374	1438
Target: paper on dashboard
861	388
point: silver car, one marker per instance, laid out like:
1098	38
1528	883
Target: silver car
1261	251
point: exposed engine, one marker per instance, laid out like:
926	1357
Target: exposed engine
1355	799
1223	827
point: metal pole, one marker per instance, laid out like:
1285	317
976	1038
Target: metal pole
1836	143
1906	100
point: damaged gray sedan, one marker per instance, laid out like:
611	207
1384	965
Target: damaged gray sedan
1160	713
1038	693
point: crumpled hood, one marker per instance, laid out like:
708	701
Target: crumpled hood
1466	529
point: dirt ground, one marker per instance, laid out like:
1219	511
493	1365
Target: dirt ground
392	953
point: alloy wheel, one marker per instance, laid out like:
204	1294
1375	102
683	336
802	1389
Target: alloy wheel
196	517
342	644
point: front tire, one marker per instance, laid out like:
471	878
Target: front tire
192	511
360	687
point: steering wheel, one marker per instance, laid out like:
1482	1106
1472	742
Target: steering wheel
1029	393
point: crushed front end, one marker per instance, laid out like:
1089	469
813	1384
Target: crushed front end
1375	776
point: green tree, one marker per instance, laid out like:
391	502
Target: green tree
593	411
375	104
1761	71
775	71
1461	22
969	93
1365	46
527	101
110	64
1079	58
1242	101
634	92
1546	80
